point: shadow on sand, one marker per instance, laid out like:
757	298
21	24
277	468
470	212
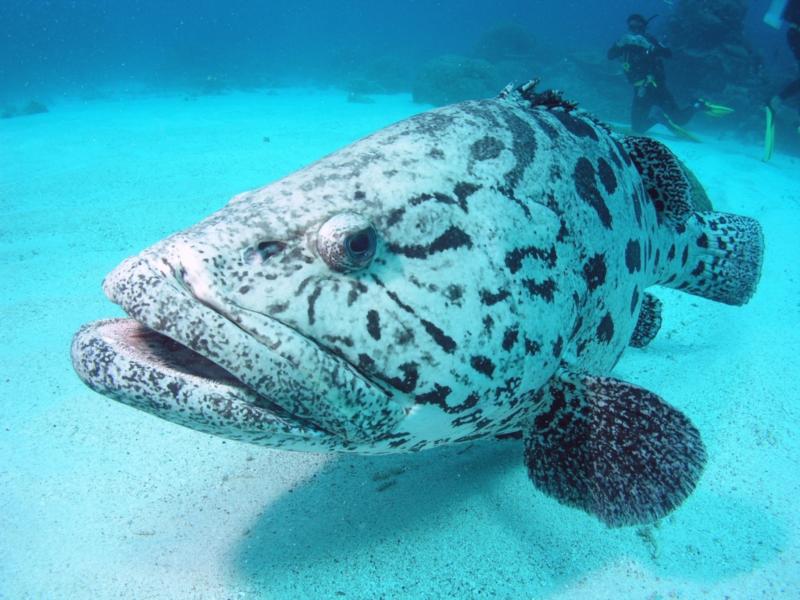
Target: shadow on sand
457	520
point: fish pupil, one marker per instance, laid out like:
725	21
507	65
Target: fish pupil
359	243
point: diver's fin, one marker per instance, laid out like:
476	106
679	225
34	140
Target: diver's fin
681	132
612	449
714	110
717	256
649	321
769	133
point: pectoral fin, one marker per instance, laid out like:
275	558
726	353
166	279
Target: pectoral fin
649	321
613	449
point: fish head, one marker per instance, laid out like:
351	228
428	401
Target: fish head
377	295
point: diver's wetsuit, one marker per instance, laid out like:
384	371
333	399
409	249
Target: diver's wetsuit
791	15
641	56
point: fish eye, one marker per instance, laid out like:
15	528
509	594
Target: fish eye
347	242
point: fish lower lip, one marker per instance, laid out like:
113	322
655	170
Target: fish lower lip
138	366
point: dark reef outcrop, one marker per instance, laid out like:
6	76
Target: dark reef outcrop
453	78
714	59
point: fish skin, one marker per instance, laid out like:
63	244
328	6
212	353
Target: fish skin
511	240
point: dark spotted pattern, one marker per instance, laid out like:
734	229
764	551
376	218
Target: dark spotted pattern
374	324
486	148
607	177
575	125
586	186
491	298
513	243
605	330
523	147
594	271
633	256
409	381
452	239
544	289
510	338
482	364
515	257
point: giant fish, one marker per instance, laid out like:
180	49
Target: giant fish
471	272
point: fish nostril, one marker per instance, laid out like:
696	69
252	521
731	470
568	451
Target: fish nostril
263	251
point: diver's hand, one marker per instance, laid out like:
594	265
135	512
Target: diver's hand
640	41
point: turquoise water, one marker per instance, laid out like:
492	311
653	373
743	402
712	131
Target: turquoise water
101	501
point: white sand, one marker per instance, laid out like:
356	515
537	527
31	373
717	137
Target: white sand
101	501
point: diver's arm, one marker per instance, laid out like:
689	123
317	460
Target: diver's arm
658	49
615	51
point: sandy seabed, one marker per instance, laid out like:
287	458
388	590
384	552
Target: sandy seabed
101	501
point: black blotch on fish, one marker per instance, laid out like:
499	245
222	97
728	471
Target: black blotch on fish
445	342
586	186
510	338
515	257
605	330
464	190
488	323
438	396
594	271
558	346
395	216
491	298
633	256
532	347
454	293
312	299
451	239
523	146
482	364
544	290
374	324
409	381
607	177
575	125
486	148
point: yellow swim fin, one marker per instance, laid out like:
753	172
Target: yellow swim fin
769	133
680	131
714	110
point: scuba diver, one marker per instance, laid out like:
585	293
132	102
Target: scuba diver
788	12
642	60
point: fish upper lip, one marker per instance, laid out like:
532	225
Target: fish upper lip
310	383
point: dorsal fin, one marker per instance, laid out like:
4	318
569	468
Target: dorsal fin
550	99
665	181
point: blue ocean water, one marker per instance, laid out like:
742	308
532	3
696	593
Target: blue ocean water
62	45
158	113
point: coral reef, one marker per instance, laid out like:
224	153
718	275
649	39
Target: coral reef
712	56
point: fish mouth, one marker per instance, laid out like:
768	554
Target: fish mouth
243	377
129	362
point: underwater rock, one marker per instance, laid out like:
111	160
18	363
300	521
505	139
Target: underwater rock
453	78
506	42
383	75
31	108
